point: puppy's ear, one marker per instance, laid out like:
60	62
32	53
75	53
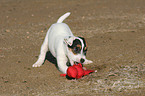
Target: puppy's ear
85	42
69	40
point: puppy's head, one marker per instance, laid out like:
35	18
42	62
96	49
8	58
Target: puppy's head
77	48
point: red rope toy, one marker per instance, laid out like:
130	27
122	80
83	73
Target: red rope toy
77	71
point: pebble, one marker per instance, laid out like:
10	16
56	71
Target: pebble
83	17
7	30
27	32
22	47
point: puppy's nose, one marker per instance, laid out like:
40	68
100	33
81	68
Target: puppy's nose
82	60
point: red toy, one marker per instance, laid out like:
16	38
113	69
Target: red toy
77	71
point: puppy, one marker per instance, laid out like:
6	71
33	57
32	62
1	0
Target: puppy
63	45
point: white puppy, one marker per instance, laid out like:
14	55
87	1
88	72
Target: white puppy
63	45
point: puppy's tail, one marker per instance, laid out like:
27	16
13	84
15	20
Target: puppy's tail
60	20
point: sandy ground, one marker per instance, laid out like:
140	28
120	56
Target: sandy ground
114	29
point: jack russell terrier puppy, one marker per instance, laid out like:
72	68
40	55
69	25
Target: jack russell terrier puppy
63	45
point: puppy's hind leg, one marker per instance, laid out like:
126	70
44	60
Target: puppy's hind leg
43	51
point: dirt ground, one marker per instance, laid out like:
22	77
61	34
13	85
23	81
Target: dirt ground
114	30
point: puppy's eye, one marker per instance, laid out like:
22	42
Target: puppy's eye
76	49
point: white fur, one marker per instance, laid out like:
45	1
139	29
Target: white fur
56	40
60	20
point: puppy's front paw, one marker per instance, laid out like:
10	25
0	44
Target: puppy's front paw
88	61
36	65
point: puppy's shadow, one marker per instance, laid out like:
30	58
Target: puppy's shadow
51	58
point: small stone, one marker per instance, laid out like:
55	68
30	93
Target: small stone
27	32
27	36
83	17
7	30
22	47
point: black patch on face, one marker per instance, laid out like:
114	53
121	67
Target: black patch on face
76	46
85	45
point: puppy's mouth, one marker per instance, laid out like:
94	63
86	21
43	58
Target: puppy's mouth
76	62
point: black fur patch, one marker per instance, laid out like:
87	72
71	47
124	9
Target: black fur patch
76	46
85	45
